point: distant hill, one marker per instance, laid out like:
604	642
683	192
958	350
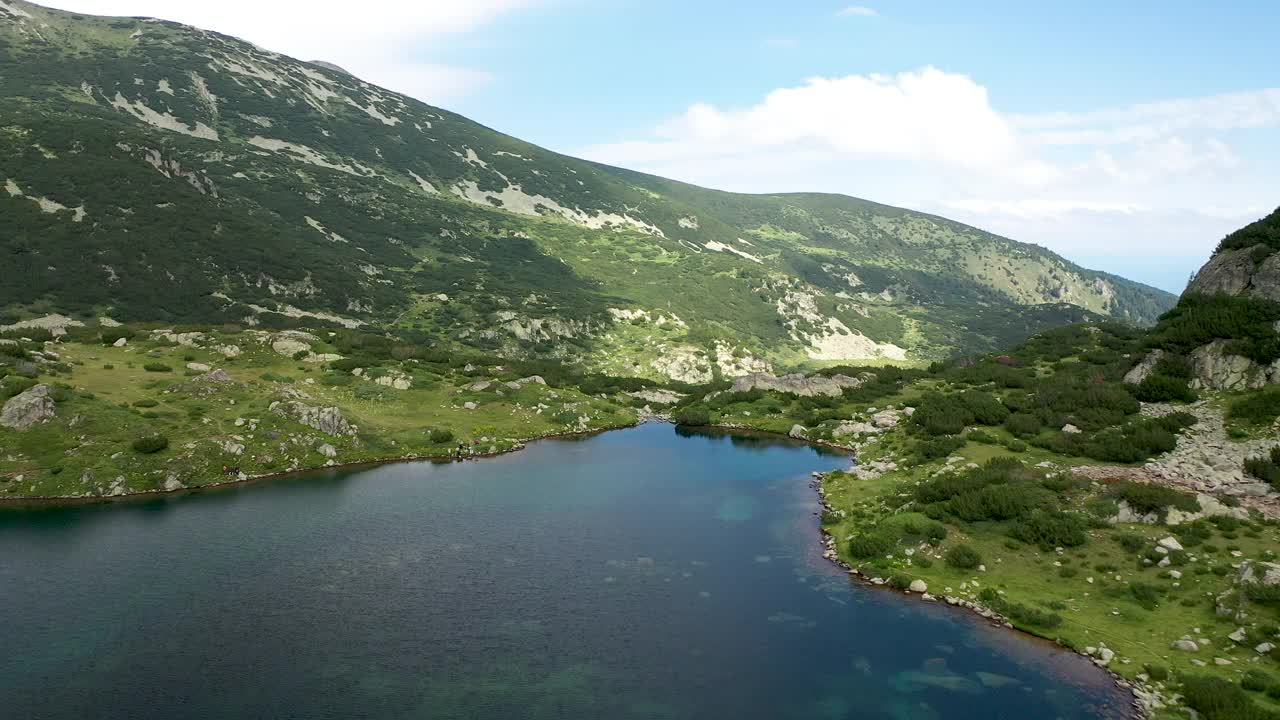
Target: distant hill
159	172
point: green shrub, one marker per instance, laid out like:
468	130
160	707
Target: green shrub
1023	424
440	436
1159	673
870	545
157	367
1218	699
935	449
1266	469
693	416
1016	445
1257	681
150	444
1018	613
1067	572
1260	408
1164	388
923	561
898	581
1051	528
111	335
1146	594
1145	498
146	403
963	557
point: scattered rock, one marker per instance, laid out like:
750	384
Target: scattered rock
1170	543
198	367
918	586
1186	645
121	342
1070	429
798	432
327	450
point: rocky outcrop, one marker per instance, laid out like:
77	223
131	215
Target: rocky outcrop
217	376
28	408
1144	369
797	384
657	397
1214	367
1236	272
327	420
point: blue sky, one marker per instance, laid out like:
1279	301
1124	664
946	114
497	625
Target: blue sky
1128	136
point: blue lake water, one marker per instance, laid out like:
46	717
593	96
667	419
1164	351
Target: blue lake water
644	573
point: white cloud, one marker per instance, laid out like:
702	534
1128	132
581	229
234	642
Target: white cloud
928	116
378	40
1147	121
1160	179
857	11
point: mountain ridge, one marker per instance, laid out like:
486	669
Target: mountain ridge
296	190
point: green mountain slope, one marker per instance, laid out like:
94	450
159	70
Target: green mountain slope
154	171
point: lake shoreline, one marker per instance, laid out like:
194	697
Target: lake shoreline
35	502
832	555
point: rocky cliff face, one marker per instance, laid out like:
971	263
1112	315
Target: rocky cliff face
1246	266
1245	272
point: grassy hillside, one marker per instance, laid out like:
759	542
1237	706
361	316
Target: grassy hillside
157	172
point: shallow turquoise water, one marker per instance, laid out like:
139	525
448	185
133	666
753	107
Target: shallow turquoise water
638	574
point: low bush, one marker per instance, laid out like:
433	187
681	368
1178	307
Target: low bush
1159	673
935	449
963	557
1257	681
1164	388
150	444
1023	424
157	367
1051	528
1258	409
440	436
1218	699
693	417
146	403
1146	594
1018	613
1266	469
870	545
1144	498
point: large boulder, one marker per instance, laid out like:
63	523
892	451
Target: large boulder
28	408
1144	368
327	420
